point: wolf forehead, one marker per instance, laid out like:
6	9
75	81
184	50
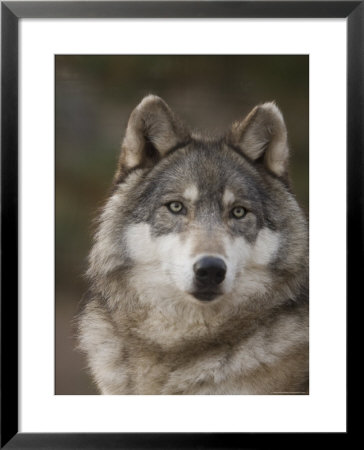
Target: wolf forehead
201	168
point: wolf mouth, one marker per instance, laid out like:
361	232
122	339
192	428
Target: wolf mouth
205	296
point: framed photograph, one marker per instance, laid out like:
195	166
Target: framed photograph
169	176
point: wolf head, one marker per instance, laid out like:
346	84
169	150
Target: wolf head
199	220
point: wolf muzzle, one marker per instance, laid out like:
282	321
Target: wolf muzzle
209	274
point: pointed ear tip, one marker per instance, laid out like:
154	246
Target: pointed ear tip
271	107
148	99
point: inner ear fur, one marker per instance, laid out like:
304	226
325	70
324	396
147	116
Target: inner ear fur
152	130
262	136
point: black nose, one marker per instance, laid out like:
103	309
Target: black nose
209	271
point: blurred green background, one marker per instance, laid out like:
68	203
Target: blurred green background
94	97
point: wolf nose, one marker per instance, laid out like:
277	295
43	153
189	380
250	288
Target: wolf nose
210	271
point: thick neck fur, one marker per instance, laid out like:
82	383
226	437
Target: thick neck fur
168	320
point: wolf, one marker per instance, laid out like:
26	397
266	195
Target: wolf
198	275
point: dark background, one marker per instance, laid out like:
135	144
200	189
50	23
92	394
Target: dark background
94	97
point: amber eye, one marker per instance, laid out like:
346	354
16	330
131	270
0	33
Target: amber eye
175	207
238	212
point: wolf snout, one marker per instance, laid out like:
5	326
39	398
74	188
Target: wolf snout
209	271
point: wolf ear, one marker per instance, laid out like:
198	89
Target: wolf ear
263	135
152	130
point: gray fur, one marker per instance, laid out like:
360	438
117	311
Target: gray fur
142	329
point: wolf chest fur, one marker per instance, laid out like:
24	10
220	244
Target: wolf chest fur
199	268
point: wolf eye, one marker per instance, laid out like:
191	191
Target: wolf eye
238	212
175	207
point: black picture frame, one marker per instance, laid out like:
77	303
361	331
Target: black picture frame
11	12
